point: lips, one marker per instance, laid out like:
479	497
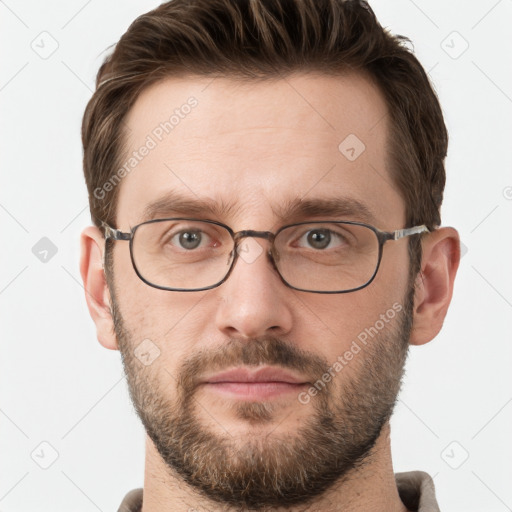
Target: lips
246	375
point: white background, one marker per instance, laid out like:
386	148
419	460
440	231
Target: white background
59	386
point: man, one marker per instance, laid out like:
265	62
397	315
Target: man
265	179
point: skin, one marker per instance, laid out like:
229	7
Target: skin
258	145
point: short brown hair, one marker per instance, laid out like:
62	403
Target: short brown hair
262	39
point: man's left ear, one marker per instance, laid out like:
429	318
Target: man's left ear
434	283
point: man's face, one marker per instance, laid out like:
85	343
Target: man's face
257	147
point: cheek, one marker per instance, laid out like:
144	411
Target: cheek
133	295
392	277
174	322
335	322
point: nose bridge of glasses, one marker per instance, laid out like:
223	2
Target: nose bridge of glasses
251	233
267	235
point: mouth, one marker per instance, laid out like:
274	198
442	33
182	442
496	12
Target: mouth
264	383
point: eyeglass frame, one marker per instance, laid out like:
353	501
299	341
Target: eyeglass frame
382	237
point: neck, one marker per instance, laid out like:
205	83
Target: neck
370	488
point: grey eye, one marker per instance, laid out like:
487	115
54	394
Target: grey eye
319	239
189	239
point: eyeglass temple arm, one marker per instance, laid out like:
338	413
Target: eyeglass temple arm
115	234
401	233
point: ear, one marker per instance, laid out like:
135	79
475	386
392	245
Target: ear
97	294
434	283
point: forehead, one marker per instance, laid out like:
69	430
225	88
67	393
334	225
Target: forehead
252	147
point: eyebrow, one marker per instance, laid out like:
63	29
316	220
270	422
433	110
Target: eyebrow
292	210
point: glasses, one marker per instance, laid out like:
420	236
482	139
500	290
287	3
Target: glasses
186	255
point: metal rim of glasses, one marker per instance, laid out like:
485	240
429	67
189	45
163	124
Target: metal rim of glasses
382	237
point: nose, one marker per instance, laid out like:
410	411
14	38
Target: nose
254	301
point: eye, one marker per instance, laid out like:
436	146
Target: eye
321	238
189	239
184	236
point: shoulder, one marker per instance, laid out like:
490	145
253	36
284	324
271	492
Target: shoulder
416	490
132	502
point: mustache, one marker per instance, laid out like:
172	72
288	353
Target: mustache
268	350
